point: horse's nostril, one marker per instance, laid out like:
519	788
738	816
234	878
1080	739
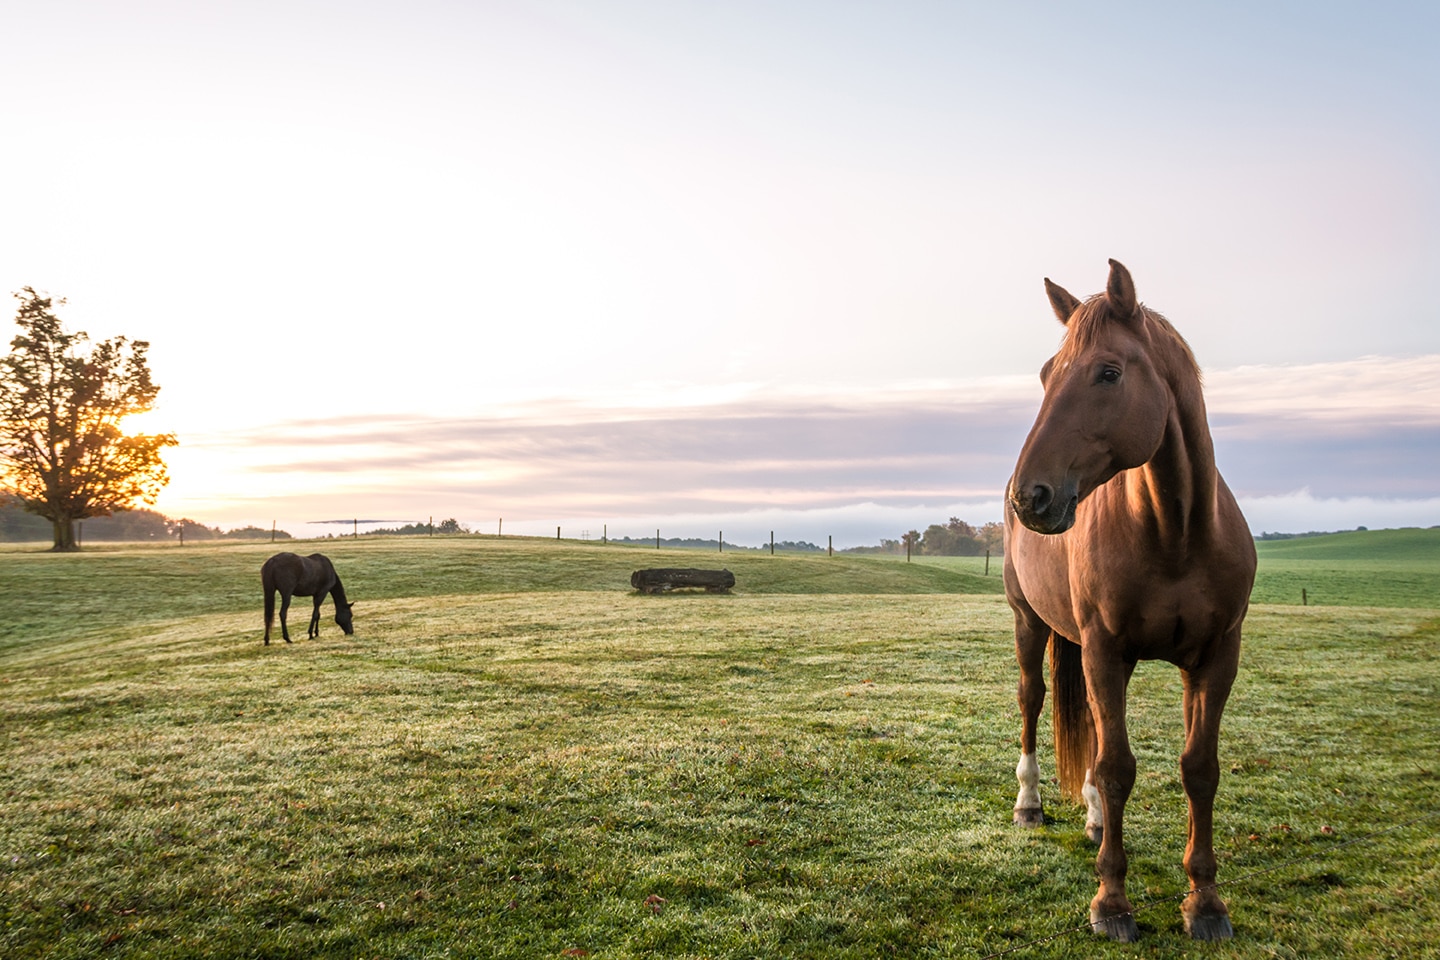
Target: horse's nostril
1041	497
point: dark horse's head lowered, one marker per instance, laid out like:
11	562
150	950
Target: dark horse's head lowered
1108	401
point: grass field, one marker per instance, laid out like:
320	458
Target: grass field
517	756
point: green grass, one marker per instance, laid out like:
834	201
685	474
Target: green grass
1409	543
1385	568
516	756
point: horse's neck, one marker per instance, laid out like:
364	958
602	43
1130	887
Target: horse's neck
337	592
1175	490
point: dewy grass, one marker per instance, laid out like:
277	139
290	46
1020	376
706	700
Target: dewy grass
538	762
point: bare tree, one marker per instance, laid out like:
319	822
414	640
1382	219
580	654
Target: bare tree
62	452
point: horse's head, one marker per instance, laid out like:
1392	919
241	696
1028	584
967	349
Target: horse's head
344	617
1106	404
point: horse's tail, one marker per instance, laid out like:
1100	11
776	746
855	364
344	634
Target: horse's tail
1070	714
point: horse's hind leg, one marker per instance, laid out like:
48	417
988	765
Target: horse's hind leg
1206	690
284	610
1031	634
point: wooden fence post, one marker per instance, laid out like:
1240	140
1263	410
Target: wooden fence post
722	541
772	543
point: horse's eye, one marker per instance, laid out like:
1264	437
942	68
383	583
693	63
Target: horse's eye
1109	375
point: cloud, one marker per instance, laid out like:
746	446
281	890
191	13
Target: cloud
1354	437
1355	429
1370	390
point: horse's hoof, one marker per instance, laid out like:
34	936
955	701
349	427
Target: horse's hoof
1215	926
1095	833
1119	927
1029	817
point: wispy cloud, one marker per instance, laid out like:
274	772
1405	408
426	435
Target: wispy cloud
1393	391
1366	432
1366	428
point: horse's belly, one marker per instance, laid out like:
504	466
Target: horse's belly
1153	616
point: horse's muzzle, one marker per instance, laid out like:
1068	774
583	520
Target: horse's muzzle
1043	509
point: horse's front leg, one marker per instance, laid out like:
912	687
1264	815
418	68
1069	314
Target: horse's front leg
1206	690
314	630
1107	677
1030	637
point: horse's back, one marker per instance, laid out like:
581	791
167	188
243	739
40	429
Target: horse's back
320	561
297	574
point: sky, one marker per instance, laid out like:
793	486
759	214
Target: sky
626	266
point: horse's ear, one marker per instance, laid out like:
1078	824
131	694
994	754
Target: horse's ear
1120	291
1062	301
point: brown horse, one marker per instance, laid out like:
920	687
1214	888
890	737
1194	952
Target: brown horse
1122	543
312	576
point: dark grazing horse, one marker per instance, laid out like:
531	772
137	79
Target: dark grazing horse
312	576
1122	543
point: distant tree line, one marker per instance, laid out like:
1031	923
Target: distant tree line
960	539
1265	535
18	525
955	538
421	529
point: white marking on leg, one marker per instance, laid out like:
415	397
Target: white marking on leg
1027	771
1093	816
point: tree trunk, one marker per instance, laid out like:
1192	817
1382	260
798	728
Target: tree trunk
664	579
64	535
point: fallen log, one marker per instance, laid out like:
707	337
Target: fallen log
665	579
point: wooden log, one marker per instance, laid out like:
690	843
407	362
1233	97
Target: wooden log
665	579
